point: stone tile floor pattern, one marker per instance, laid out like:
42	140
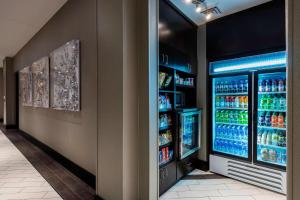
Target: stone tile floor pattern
18	178
217	189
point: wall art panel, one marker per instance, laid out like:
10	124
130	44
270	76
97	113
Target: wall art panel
65	77
40	82
25	86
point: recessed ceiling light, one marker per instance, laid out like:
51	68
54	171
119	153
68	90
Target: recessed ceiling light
208	16
198	8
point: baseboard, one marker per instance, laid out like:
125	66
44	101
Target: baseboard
98	198
81	173
202	165
9	126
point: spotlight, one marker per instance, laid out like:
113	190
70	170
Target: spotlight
188	1
198	8
208	16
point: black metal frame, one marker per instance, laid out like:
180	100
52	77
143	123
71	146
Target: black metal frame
255	120
210	117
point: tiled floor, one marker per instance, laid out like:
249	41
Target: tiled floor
217	189
18	178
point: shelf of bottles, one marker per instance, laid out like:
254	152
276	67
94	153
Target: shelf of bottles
230	115
272	118
188	134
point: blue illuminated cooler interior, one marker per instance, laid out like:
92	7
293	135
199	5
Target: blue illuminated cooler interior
272	118
230	115
263	61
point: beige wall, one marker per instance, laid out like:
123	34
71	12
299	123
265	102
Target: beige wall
1	93
127	131
202	87
294	99
72	134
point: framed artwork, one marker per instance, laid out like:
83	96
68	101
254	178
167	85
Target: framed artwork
25	86
65	77
40	82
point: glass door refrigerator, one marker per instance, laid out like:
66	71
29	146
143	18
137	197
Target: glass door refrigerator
189	132
231	114
270	118
248	114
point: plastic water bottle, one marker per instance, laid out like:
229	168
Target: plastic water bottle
245	133
245	149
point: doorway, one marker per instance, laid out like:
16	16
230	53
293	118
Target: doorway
189	47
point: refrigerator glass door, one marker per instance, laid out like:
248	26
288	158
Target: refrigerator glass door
189	133
230	116
271	118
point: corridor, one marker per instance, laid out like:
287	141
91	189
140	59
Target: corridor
18	178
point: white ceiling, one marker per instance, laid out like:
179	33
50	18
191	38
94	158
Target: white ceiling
227	7
21	19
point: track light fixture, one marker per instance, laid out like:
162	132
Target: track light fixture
204	9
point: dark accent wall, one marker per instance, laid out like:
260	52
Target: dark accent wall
72	134
256	30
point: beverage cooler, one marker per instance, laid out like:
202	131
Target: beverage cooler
189	131
270	118
249	119
231	114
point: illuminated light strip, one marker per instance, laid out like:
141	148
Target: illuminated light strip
254	65
278	59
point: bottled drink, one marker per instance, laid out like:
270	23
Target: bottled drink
238	133
218	100
279	156
226	116
230	86
262	85
222	102
217	87
259	134
282	103
241	102
221	116
268	119
231	117
264	137
274	120
275	102
226	86
217	116
261	118
245	149
263	102
232	100
235	86
244	133
221	90
245	117
241	117
268	85
281	87
237	102
272	155
227	101
269	138
246	101
281	120
245	88
275	138
269	102
241	86
280	139
236	117
274	85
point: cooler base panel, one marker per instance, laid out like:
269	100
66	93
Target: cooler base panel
264	177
